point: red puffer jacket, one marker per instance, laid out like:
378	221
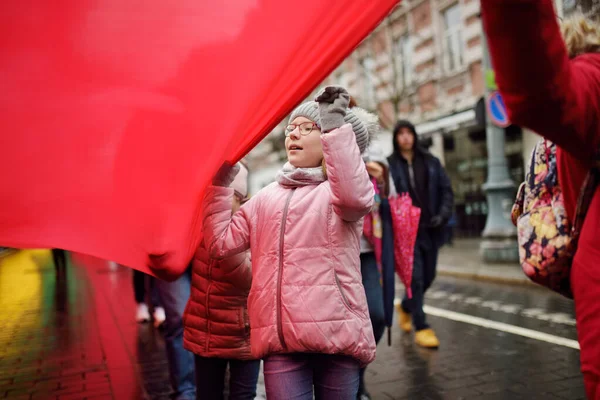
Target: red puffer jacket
216	322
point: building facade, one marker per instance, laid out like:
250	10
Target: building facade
424	63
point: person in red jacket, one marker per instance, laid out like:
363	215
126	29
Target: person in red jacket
551	85
216	322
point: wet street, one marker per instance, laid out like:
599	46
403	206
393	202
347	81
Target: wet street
77	339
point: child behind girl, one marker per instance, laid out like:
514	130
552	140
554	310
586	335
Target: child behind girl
308	310
216	323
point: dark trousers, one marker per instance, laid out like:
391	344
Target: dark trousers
59	257
139	288
371	279
210	378
424	271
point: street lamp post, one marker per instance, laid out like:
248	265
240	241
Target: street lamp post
499	236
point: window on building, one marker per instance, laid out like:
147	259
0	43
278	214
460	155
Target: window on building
453	46
403	60
367	65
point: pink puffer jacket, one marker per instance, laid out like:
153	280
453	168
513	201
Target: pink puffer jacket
307	293
216	322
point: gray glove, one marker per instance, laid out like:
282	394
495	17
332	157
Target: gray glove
226	174
333	103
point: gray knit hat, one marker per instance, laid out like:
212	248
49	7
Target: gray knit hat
364	124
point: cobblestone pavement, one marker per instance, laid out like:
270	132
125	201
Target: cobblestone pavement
77	339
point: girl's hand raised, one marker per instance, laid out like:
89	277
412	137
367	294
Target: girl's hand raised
333	103
225	175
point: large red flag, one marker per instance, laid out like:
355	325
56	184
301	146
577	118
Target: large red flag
116	113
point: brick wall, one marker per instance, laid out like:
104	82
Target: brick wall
432	90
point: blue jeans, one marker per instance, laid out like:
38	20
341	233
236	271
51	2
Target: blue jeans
292	376
424	271
174	296
210	378
374	291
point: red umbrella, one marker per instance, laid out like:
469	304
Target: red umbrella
405	218
116	113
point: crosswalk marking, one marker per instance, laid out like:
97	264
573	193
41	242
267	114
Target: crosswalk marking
510	308
473	300
494	305
500	326
515	309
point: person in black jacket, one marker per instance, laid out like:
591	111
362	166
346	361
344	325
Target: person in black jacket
417	172
59	256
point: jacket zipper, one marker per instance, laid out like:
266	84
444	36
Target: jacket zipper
280	271
210	264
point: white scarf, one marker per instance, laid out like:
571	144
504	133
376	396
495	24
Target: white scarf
290	176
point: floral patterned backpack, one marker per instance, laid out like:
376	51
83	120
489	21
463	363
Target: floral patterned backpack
547	239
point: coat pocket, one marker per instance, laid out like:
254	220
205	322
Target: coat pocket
343	296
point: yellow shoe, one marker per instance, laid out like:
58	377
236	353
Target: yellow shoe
426	338
405	319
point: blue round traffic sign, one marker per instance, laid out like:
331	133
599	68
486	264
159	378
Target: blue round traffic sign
497	110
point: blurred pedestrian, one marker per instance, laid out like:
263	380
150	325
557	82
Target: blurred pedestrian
59	257
372	248
308	310
174	297
142	283
419	173
555	91
217	326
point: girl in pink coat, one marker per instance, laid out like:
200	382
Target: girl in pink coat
308	311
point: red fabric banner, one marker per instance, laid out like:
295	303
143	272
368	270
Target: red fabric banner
116	113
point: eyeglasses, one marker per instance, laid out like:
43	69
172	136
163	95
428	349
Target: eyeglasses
305	128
